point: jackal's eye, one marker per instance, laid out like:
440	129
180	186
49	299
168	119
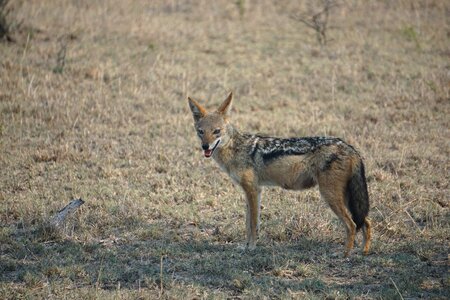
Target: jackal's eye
216	131
200	131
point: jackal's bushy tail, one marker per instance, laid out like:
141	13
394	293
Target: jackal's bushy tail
357	196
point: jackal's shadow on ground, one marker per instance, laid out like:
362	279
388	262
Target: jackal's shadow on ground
301	265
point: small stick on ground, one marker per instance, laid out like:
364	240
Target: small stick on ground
161	288
57	220
400	294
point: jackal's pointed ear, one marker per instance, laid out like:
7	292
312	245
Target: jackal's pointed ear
197	110
225	107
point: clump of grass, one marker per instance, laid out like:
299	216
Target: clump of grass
5	25
61	58
47	232
411	35
240	4
8	24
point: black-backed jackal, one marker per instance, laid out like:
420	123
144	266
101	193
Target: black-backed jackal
253	161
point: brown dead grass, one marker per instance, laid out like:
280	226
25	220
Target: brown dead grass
114	129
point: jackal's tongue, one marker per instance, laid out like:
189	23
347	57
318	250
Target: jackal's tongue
208	153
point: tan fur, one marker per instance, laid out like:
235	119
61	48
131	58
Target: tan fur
296	172
288	173
367	234
247	182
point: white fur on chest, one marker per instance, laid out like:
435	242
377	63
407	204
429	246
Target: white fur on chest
227	169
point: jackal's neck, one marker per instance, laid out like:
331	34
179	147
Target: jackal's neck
233	135
227	151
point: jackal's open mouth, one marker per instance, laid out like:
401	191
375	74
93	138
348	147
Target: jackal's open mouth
209	152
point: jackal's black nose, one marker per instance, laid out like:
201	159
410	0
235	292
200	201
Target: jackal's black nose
205	146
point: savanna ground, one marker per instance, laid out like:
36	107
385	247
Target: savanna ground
93	105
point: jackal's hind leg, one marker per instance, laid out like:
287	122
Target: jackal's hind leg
350	226
367	235
334	196
258	223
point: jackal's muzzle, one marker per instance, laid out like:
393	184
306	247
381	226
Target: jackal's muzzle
208	150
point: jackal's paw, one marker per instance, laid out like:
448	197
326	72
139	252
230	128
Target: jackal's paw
241	247
339	254
251	247
246	247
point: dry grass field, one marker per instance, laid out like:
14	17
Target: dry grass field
93	105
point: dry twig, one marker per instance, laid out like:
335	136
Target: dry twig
319	21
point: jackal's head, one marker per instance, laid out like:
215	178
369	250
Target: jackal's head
212	127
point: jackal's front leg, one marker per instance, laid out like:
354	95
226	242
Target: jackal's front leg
252	193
